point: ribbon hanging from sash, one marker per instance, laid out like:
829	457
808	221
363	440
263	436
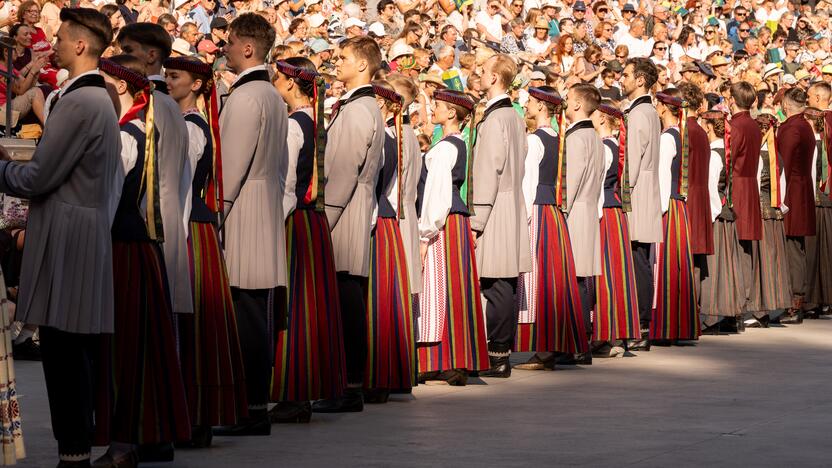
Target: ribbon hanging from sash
623	170
214	193
773	167
685	162
469	168
399	182
729	170
315	191
825	168
560	183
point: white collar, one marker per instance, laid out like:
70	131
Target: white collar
155	77
493	100
577	122
247	71
349	93
69	82
718	143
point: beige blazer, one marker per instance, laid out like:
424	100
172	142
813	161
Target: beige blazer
253	128
412	169
584	181
643	132
355	139
503	245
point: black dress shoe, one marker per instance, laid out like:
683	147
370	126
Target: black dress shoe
257	424
288	412
375	396
124	460
500	368
27	351
74	464
730	325
601	349
349	402
792	317
156	453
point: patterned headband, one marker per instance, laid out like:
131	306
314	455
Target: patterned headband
123	73
611	111
385	93
189	65
296	72
545	96
671	101
713	115
454	97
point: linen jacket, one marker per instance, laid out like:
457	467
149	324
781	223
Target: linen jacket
584	181
411	171
643	133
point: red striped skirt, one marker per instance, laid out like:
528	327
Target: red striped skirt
548	295
144	402
391	344
309	357
616	308
457	338
209	346
676	315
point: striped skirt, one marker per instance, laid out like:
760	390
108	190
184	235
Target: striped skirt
771	284
144	402
551	318
450	324
616	308
391	344
676	315
309	356
720	294
209	347
819	260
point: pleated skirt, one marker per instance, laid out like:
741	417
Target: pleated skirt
819	260
720	294
550	314
771	284
676	315
209	346
143	399
616	308
309	356
391	344
450	325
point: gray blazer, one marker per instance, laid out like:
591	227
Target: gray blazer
253	127
66	281
643	132
172	155
353	159
499	210
412	169
584	181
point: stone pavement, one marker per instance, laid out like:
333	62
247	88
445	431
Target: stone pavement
756	399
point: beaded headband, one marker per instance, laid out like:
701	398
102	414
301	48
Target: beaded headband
671	101
545	96
385	93
611	111
296	72
189	65
123	73
455	97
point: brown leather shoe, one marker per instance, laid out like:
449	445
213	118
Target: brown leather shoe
122	460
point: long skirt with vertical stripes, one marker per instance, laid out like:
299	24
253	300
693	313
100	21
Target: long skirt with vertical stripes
676	316
209	346
771	284
819	260
551	318
720	294
309	356
391	343
144	399
616	307
450	325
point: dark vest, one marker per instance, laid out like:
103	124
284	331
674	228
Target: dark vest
612	198
306	159
386	176
202	174
129	223
548	168
676	165
458	175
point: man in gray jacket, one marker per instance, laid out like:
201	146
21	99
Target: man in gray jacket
66	284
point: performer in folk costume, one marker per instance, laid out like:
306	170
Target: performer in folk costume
745	142
676	316
616	305
499	218
551	317
66	287
353	159
146	402
209	346
253	129
643	132
819	247
450	327
796	145
720	295
309	358
771	282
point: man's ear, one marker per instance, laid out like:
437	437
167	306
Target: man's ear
152	55
362	65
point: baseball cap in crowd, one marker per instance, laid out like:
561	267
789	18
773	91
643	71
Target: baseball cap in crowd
537	75
177	4
579	6
771	69
181	46
207	46
319	45
629	7
377	29
219	23
350	22
789	79
315	20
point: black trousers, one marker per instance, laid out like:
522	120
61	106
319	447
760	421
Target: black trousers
501	312
353	293
70	361
586	289
643	269
252	307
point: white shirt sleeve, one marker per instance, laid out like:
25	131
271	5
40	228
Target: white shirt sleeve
667	151
714	169
196	147
436	202
608	159
294	141
531	176
760	167
814	166
393	194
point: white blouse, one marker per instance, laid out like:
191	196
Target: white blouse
392	194
294	141
714	169
438	193
196	148
783	207
608	159
667	151
129	157
531	176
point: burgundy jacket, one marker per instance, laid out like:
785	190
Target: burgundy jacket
796	145
745	142
699	207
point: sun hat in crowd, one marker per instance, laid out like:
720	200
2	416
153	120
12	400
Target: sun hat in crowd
579	6
827	69
789	79
320	45
432	78
802	74
315	20
399	49
718	61
181	46
771	69
377	29
629	7
350	22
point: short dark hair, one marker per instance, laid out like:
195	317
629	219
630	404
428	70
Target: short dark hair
91	22
796	97
589	94
692	94
148	35
256	28
644	67
383	4
365	48
743	94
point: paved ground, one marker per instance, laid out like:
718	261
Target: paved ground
757	399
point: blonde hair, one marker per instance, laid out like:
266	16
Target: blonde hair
505	68
404	86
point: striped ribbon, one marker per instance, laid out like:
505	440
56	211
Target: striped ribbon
729	169
623	170
773	167
398	119
560	184
683	135
469	187
315	191
214	193
825	167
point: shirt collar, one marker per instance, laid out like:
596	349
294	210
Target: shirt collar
249	70
718	143
349	93
493	100
69	82
639	97
577	122
155	77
